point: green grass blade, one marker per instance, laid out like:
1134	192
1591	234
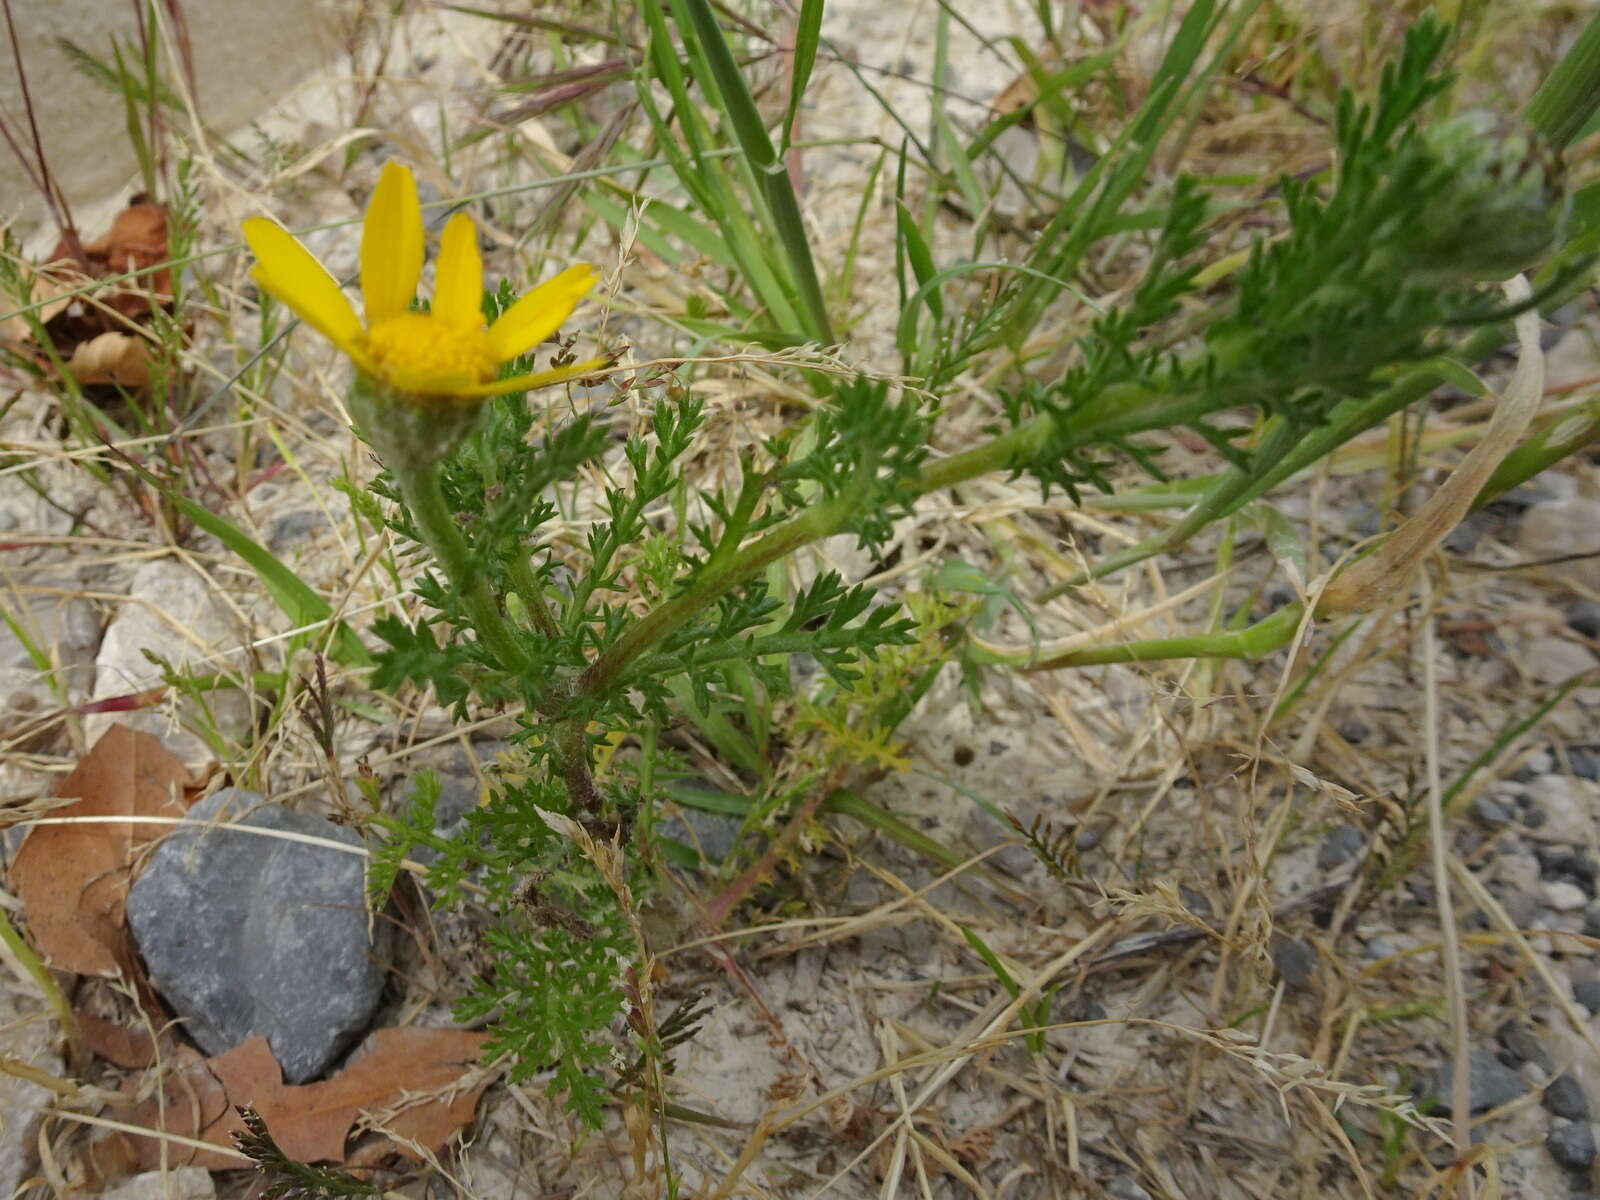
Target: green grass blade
807	36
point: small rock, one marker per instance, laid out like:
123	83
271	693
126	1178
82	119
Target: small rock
1125	1188
1493	1083
1585	762
1584	616
1591	920
1523	1046
175	1183
1380	947
1557	528
1464	538
1565	1097
1568	815
295	527
1564	897
1587	993
1552	659
1572	1145
1354	730
711	834
1295	959
247	935
1342	844
173	611
1486	810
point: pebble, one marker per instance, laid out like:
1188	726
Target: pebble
1342	844
1124	1188
1564	897
1523	1046
246	935
1556	528
1584	761
1354	730
1567	814
1591	921
1295	960
1486	810
1552	659
191	605
1584	616
1565	1097
1572	1145
1493	1083
1587	993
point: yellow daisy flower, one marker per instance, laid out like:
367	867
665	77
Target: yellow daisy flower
446	354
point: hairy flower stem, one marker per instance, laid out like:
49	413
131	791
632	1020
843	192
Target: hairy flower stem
419	484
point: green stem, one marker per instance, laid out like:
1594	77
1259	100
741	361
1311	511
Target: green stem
1570	95
717	578
419	484
1269	634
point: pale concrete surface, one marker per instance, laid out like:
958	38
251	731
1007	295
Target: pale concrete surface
247	55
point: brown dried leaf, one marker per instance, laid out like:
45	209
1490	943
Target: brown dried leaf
73	879
118	358
137	240
403	1077
127	1046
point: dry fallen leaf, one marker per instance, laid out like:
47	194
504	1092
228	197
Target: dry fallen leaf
137	240
73	879
405	1079
78	317
116	358
126	1046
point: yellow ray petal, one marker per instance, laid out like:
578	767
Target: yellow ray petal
540	313
458	280
539	379
289	272
391	245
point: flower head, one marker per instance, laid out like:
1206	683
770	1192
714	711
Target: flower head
448	354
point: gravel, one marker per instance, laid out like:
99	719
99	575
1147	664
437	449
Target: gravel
1565	1097
1572	1145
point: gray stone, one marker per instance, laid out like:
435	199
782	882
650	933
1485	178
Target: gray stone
1572	1145
1124	1188
1584	616
1493	1083
1552	659
173	611
1568	813
1563	896
1591	921
1295	960
1565	1097
248	935
711	834
1523	1046
1342	844
1558	528
1486	810
1587	993
295	527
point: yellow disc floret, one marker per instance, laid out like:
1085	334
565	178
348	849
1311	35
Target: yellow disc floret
445	354
421	354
